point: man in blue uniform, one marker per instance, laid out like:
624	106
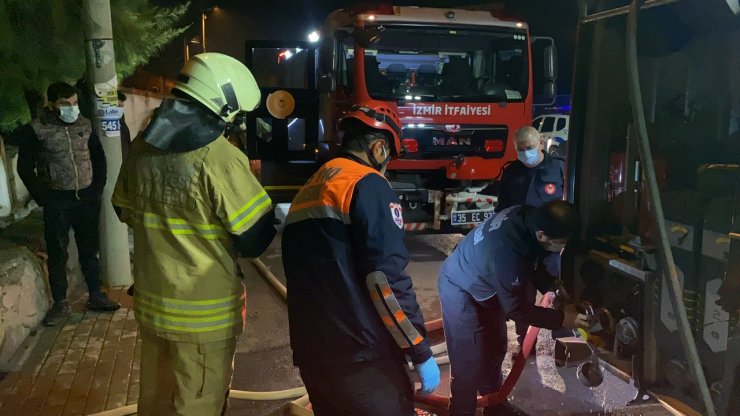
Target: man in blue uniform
351	307
533	179
484	282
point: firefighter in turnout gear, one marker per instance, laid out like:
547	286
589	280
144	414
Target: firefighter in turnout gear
194	206
351	306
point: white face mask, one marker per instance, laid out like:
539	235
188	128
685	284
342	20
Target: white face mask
69	114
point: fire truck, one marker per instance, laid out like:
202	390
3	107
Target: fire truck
463	83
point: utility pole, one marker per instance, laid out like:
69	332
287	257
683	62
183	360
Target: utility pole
101	73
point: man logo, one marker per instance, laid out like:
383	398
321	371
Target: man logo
452	141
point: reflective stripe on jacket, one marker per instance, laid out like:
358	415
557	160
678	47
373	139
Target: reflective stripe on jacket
184	209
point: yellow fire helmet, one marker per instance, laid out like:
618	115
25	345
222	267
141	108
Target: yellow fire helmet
219	82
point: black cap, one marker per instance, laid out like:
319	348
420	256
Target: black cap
557	219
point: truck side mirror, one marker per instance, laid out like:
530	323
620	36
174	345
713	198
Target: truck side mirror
551	63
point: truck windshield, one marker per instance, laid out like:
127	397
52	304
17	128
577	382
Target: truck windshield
443	64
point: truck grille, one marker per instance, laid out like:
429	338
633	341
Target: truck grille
438	142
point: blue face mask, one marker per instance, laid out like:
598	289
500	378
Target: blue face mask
529	157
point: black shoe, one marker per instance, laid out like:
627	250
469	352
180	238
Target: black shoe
57	314
101	302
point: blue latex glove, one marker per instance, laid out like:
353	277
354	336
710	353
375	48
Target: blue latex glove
429	374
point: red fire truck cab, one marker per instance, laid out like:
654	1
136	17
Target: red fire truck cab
463	84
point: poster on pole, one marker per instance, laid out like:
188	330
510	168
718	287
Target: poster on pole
107	110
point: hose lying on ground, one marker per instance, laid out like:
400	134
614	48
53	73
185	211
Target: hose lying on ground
280	287
233	394
237	394
267	395
297	407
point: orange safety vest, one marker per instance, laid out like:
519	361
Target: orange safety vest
328	193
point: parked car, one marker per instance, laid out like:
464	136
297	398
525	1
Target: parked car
554	130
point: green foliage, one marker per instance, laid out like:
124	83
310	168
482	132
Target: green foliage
140	30
42	41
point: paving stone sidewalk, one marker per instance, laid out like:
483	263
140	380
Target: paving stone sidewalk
87	365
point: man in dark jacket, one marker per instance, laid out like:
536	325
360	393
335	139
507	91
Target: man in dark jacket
485	281
61	162
534	178
351	306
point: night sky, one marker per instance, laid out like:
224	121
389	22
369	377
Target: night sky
236	21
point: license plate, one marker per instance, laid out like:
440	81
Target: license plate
470	217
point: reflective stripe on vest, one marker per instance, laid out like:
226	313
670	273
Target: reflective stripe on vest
192	316
179	226
328	193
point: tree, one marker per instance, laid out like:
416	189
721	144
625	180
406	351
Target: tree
41	41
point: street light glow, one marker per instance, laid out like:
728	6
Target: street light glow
314	36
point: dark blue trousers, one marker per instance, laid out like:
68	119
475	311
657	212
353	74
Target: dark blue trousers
476	344
83	216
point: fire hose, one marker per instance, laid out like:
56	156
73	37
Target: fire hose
298	392
435	400
442	402
234	394
301	406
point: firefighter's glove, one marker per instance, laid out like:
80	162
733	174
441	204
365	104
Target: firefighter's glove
429	374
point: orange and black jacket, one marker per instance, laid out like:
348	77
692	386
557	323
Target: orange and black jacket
344	224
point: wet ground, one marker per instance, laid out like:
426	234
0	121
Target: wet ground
263	353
